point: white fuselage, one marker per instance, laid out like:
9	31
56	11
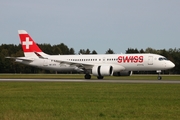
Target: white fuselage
119	62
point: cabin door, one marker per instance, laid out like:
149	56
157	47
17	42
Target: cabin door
150	60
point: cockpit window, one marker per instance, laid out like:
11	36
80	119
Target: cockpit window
162	58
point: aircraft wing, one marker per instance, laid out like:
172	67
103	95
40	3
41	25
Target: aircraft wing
21	58
75	63
65	62
88	65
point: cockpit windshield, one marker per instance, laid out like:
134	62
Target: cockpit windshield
162	58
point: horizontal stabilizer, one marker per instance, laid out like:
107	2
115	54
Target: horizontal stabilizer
21	58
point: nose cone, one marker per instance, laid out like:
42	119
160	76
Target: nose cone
173	65
170	65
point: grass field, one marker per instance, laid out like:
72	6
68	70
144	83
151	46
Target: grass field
88	101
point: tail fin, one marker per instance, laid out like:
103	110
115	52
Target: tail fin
28	44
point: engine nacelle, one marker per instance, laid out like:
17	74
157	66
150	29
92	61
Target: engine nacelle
102	70
122	73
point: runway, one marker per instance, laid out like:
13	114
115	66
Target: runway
92	81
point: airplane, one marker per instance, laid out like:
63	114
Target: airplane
99	65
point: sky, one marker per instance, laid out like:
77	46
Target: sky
93	24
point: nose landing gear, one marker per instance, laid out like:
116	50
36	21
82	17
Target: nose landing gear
159	72
159	77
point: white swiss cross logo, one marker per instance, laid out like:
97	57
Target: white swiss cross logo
27	43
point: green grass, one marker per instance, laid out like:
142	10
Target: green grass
88	101
81	76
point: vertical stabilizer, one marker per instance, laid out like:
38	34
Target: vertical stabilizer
28	45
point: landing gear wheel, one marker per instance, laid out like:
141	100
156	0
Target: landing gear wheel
159	72
87	76
159	77
100	77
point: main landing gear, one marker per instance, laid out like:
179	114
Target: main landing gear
88	76
100	77
159	77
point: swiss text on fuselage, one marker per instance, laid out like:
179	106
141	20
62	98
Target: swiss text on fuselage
130	59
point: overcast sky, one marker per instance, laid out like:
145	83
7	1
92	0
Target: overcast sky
94	24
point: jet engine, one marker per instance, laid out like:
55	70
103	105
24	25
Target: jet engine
102	70
122	73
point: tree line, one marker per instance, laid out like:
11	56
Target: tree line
10	66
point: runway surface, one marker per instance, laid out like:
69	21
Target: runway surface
91	81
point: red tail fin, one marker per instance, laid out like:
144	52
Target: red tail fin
27	42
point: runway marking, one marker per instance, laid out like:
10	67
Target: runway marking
100	81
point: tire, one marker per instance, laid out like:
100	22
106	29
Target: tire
87	76
100	77
159	77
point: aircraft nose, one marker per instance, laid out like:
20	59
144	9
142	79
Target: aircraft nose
171	65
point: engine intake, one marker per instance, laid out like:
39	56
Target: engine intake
102	70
